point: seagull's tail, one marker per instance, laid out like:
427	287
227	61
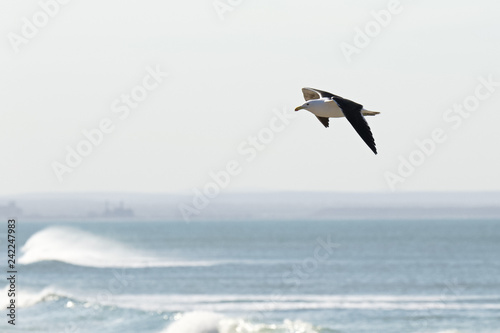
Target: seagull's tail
369	113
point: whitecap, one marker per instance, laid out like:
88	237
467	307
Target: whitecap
211	322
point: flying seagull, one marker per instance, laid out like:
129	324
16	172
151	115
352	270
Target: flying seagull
325	105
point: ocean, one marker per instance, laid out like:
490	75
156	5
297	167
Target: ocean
352	276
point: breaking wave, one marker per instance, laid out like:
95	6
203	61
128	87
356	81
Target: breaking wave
28	298
210	322
259	303
205	313
77	247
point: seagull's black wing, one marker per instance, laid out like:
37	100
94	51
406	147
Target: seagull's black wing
324	120
352	111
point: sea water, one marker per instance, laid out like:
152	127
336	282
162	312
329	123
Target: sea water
268	276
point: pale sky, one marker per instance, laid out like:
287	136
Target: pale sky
226	80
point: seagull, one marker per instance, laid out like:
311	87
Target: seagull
325	105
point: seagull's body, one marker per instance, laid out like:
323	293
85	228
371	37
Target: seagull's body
325	105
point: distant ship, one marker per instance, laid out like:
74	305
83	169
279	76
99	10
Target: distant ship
119	211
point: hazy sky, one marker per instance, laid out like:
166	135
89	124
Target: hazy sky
431	69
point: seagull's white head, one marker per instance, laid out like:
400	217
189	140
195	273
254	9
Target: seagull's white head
311	105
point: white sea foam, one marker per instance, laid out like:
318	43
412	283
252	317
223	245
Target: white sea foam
259	303
196	322
203	313
77	247
210	322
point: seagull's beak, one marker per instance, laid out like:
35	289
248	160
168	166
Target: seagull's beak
298	108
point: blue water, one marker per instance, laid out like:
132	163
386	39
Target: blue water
225	277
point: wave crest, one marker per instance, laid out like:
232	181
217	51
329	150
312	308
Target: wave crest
77	247
29	298
210	322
